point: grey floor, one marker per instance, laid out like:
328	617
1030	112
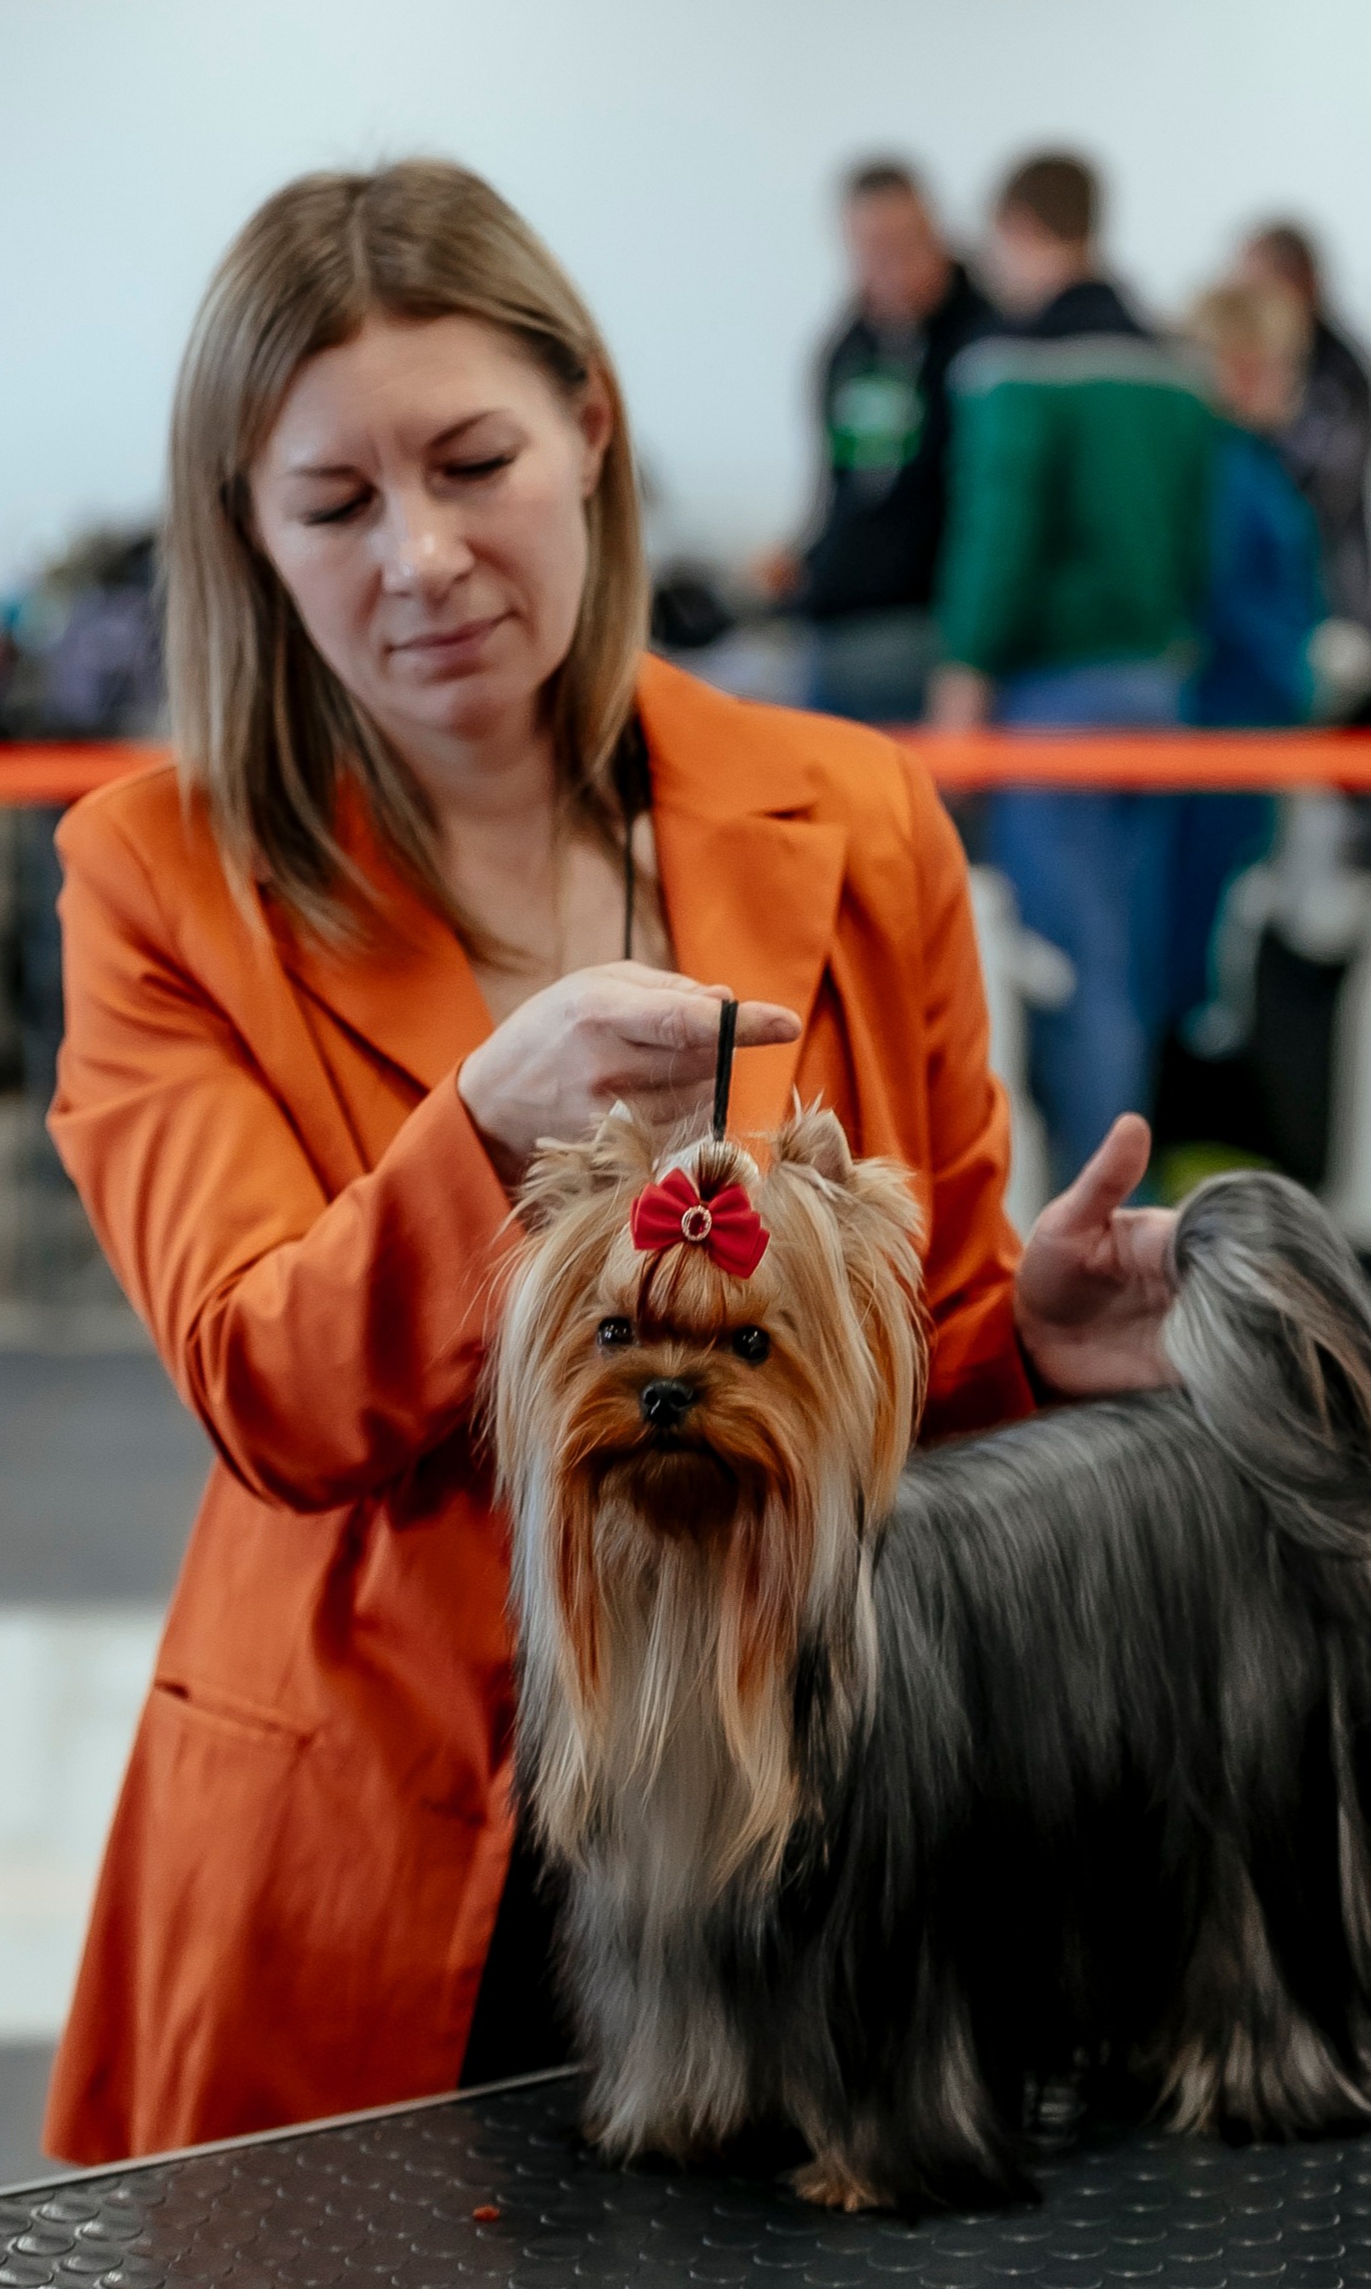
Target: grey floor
100	1473
24	2069
100	1470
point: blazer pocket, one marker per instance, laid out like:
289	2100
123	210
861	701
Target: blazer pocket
230	1716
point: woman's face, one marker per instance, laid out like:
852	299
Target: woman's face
1259	387
422	497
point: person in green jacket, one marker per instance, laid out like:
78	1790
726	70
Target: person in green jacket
1072	593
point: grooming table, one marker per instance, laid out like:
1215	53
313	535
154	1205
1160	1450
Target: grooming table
396	2198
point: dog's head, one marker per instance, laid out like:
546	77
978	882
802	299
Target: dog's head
708	1368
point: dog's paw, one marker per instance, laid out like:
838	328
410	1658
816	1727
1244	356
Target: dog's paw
830	2185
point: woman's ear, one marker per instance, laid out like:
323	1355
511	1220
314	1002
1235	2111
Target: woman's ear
595	417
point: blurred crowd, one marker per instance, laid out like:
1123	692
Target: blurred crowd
80	658
1035	507
1038	509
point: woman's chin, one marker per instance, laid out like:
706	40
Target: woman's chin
470	707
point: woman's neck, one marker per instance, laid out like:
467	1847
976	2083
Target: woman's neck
495	803
504	777
552	897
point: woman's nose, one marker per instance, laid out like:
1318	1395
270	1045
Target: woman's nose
424	554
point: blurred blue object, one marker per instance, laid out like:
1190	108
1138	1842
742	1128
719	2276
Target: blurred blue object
1266	593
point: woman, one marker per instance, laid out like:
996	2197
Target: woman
450	866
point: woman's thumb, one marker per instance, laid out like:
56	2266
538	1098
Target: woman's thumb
1110	1174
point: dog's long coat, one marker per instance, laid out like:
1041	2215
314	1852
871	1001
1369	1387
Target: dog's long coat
1076	1740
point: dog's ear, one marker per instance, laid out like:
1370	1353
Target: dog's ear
813	1138
619	1153
623	1150
887	1196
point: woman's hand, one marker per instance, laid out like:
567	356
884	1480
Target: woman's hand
1095	1283
619	1031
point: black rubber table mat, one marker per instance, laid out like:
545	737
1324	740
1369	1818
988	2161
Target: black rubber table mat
389	2199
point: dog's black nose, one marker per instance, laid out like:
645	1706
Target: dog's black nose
666	1401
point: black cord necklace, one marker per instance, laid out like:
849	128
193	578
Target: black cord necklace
633	786
629	888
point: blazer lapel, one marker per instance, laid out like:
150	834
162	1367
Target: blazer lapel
751	904
750	881
411	994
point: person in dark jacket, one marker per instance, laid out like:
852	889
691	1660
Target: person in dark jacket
859	590
1071	592
1325	440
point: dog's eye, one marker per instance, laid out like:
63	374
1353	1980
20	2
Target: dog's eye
611	1333
751	1344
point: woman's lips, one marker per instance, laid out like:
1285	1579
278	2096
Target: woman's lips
449	647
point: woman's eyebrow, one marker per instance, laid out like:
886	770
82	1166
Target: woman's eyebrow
320	469
459	428
349	468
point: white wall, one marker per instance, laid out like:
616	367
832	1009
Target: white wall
678	154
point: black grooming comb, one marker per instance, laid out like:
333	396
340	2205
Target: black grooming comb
723	1067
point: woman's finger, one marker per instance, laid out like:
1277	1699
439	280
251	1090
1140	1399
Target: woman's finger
659	981
688	1022
675	981
1110	1174
765	1024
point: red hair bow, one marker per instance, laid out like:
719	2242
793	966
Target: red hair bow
727	1227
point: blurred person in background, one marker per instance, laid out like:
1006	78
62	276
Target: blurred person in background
860	637
1324	440
1325	432
1264	614
1071	594
1274	656
85	644
1266	597
82	659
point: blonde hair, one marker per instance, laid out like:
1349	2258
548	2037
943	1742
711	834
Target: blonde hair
260	722
1238	320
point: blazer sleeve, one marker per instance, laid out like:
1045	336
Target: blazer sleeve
325	1343
977	1374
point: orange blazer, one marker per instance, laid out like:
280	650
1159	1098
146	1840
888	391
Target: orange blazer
304	1867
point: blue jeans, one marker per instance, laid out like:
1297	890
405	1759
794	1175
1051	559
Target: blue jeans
1092	873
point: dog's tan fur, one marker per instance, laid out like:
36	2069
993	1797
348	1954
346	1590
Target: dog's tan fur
624	1659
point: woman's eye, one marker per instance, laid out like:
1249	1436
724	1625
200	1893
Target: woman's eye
339	515
611	1333
751	1344
488	468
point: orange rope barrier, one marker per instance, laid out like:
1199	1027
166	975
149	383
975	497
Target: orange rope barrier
965	762
52	773
961	762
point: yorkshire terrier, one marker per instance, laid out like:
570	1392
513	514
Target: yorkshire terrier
891	1785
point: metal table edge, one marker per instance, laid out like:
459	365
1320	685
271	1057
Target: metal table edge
76	2176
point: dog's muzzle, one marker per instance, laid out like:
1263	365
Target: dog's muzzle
666	1402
